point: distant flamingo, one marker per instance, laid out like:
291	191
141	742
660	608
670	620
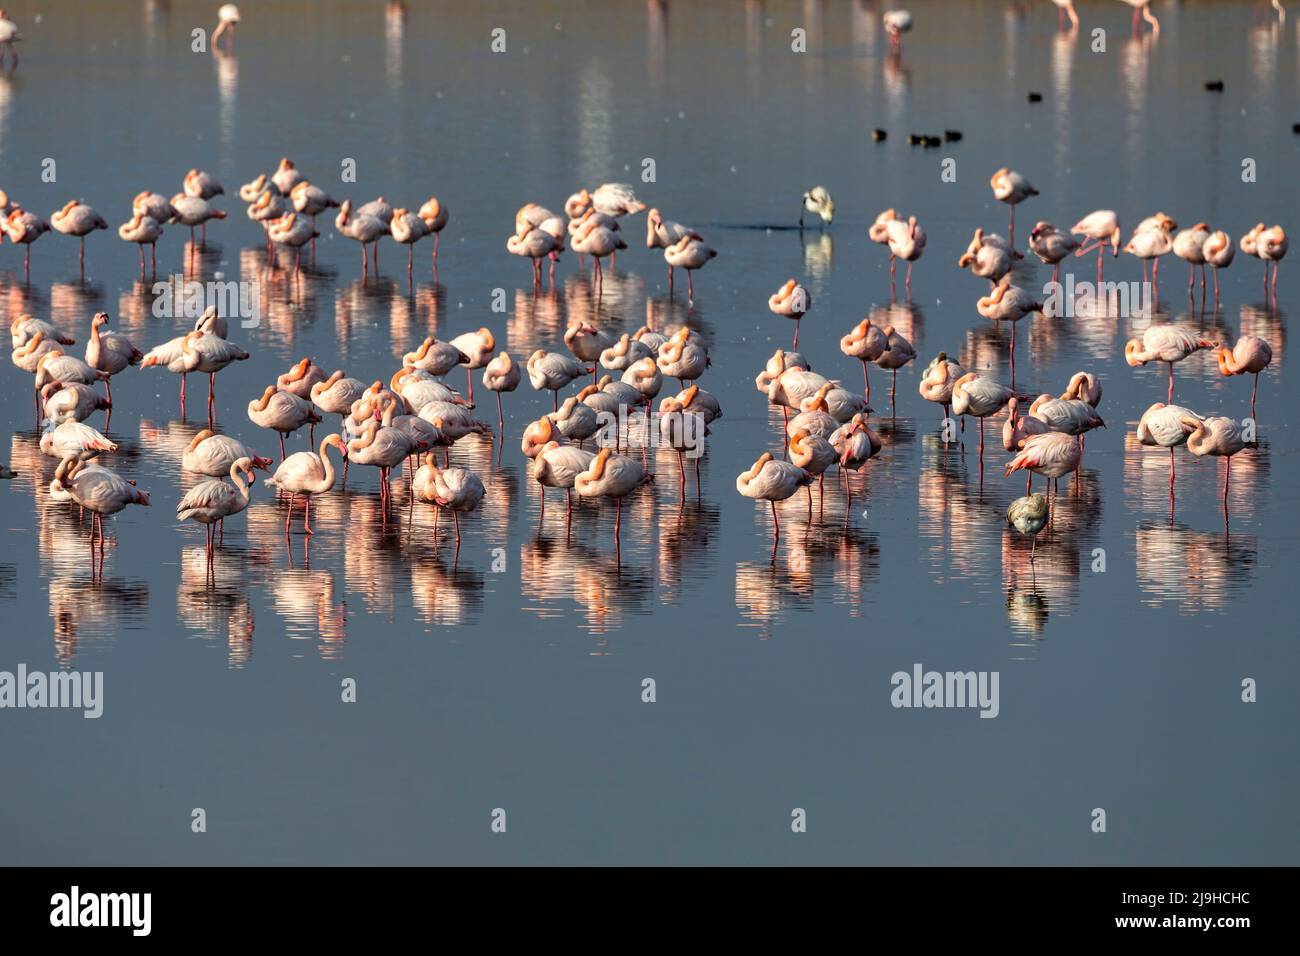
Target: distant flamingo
866	343
477	347
689	254
1011	188
1051	246
501	375
212	501
282	412
143	231
452	489
109	352
1102	227
792	301
612	476
1052	455
973	394
899	353
99	491
1219	437
1166	426
79	220
558	466
1218	251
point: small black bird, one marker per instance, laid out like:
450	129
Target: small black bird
931	141
952	135
915	139
1035	97
878	135
1214	86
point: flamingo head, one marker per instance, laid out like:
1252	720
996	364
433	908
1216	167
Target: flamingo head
1133	348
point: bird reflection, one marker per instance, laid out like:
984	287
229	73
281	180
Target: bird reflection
1196	570
212	599
93	610
817	251
559	577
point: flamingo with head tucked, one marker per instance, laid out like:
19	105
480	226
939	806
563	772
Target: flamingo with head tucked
1250	356
1164	343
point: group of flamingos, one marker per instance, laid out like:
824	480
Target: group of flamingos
398	421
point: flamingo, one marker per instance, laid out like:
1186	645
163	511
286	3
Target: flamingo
201	185
1084	386
899	353
792	301
973	394
71	402
336	394
772	481
144	231
384	448
24	328
227	19
1008	303
283	412
814	416
436	358
985	257
1220	437
435	217
1162	221
1251	355
612	476
1271	245
172	356
644	376
211	354
268	208
596	241
99	491
211	454
417	388
9	35
501	375
1065	8
813	454
293	231
690	254
878	232
407	229
1072	416
194	211
55	366
818	201
478	348
697	401
23	228
79	220
1018	427
1011	188
937	383
307	473
1166	426
897	22
615	199
1189	245
1051	455
1102	227
1218	251
586	342
1143	7
1164	343
310	200
682	358
855	444
662	233
301	378
109	352
535	244
287	176
624	352
906	242
1029	514
866	343
212	501
452	489
362	228
74	439
552	371
558	466
1051	246
1151	244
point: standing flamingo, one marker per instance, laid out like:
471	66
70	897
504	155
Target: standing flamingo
1166	426
772	481
792	301
1143	7
1052	455
856	444
690	254
283	412
1164	343
866	343
435	216
1251	355
1189	245
109	352
452	489
23	228
1011	188
906	242
501	375
362	228
306	473
77	219
558	466
1051	246
99	491
144	231
212	501
477	347
1101	227
1220	437
898	354
973	394
1218	251
612	476
1008	303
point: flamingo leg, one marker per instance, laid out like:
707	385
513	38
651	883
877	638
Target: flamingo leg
1170	399
1253	389
307	516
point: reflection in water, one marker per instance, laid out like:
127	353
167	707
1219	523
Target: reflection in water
1196	570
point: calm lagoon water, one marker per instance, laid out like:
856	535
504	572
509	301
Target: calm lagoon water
520	688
